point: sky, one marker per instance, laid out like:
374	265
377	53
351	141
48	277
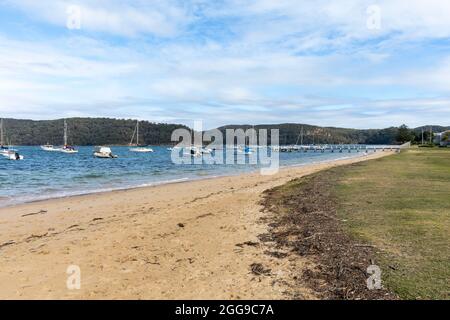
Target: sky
346	63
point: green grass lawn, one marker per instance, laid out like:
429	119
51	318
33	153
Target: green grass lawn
401	205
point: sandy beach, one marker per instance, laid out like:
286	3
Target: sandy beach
177	241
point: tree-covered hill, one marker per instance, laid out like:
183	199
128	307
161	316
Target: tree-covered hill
107	131
291	134
86	131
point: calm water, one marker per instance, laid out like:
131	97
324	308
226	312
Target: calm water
44	175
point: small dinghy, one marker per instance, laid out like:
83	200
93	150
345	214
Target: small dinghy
104	153
206	151
245	151
50	148
13	155
193	152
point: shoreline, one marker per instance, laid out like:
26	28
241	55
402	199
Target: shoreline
154	242
165	182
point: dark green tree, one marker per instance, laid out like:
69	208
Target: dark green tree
404	134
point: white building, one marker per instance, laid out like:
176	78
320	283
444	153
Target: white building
443	138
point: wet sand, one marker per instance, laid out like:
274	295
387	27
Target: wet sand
190	240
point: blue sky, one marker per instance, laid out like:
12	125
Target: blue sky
228	61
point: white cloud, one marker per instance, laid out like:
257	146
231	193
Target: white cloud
161	18
256	61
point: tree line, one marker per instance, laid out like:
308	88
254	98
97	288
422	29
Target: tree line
107	131
87	131
291	133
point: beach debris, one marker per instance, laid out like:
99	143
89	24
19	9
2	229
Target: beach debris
276	254
36	236
247	243
258	269
181	225
154	261
7	243
204	215
302	220
364	245
34	213
97	219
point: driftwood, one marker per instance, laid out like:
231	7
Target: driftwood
34	213
7	243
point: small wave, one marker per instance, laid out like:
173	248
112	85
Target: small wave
90	176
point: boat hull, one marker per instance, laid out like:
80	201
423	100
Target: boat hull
50	149
104	155
13	157
69	151
141	150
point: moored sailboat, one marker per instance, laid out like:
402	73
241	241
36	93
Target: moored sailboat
3	148
67	148
137	147
7	151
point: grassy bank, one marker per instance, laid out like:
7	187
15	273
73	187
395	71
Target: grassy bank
393	211
401	205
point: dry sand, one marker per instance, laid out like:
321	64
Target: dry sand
176	241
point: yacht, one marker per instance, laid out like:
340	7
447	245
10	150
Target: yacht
3	148
67	148
7	152
137	148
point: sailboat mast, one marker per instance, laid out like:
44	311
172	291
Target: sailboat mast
1	132
137	133
301	139
65	132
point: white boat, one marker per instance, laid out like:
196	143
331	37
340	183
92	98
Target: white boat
245	151
193	152
138	148
49	147
3	148
206	151
13	155
67	148
141	149
7	152
103	152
